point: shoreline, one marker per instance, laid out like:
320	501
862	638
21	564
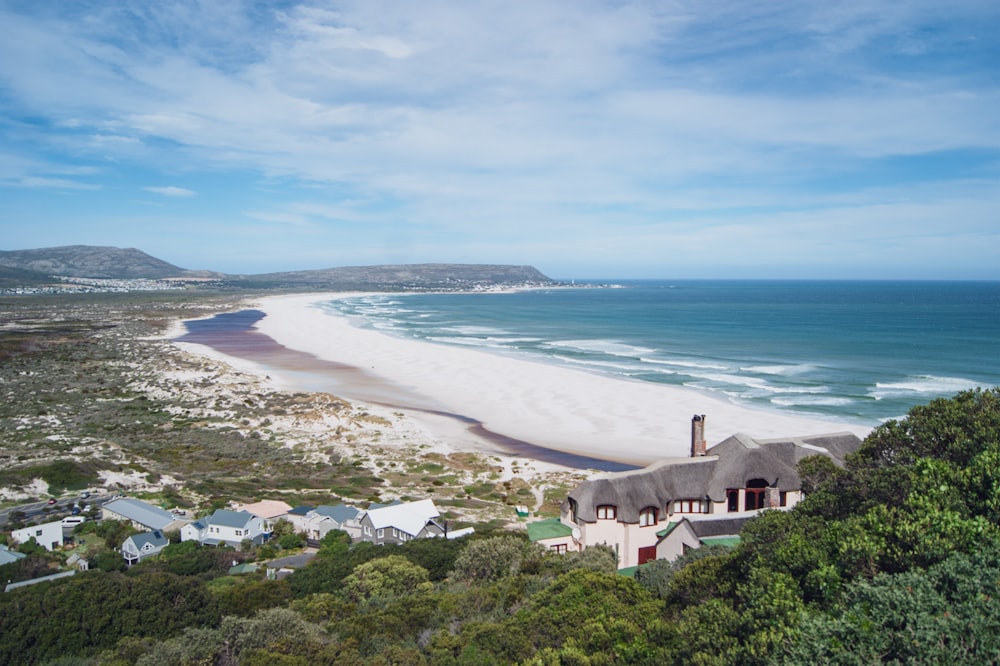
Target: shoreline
547	406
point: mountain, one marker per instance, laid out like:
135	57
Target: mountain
419	276
19	277
89	261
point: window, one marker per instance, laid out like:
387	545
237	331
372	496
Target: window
239	532
755	494
783	498
733	499
607	512
559	548
368	530
690	506
381	533
394	533
647	517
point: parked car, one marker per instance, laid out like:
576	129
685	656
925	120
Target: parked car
52	501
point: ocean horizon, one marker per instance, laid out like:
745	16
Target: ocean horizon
856	351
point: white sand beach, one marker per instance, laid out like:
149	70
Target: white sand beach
542	404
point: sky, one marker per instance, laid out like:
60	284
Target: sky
590	139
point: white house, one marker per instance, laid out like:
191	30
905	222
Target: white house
269	511
639	512
140	546
47	535
401	522
325	518
224	526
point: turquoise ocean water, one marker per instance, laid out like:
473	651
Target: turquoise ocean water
857	351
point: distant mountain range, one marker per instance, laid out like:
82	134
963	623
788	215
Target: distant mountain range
29	267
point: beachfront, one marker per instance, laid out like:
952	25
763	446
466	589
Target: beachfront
542	404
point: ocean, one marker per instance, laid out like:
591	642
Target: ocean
856	351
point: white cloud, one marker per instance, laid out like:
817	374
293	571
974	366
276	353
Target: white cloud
171	191
473	121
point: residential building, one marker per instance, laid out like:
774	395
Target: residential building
738	477
326	518
269	511
225	527
553	534
693	532
139	514
140	546
47	535
398	523
298	516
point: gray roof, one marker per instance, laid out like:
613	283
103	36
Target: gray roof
7	555
340	512
728	464
300	510
151	516
227	518
154	538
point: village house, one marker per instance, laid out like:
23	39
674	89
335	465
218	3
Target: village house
298	516
269	511
639	512
554	535
140	546
47	535
325	518
225	527
139	514
398	523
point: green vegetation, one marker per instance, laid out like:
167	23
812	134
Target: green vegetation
893	559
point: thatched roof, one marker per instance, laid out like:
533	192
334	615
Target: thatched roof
729	464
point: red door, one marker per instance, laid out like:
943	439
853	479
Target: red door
647	554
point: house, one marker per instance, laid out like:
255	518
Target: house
8	556
553	534
139	514
225	527
325	518
297	516
269	511
737	477
398	523
47	535
77	562
693	532
140	546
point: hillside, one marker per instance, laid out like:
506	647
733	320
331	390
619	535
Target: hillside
420	276
89	261
19	277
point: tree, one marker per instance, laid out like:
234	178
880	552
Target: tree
384	578
493	558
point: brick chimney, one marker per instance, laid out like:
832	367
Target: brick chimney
698	443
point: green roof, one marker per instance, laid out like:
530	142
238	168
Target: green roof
547	529
667	530
730	541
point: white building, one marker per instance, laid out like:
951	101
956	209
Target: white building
225	527
47	535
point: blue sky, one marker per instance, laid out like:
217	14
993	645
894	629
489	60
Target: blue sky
693	138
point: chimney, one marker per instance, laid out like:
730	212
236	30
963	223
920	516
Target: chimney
698	443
